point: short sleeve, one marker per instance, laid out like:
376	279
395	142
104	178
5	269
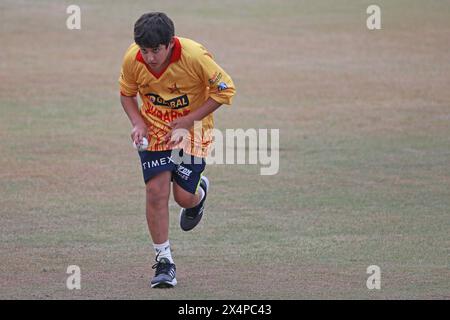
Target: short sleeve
127	79
221	86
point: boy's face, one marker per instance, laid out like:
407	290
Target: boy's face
157	57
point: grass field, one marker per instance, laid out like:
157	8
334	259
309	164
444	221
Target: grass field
364	119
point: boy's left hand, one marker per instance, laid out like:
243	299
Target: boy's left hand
179	129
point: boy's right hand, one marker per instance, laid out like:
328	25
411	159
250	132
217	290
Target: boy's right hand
139	131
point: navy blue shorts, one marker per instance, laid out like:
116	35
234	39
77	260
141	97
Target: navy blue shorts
186	169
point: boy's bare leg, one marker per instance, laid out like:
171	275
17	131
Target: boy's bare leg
157	206
184	198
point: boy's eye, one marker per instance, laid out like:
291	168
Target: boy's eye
153	50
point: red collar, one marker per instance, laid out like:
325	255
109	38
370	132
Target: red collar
176	55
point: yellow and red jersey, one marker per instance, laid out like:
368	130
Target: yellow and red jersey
191	77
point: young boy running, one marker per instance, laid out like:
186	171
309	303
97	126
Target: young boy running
179	83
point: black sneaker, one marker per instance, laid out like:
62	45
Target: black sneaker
189	218
164	274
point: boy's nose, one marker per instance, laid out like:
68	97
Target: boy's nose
150	58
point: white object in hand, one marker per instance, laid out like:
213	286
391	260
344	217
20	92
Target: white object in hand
142	145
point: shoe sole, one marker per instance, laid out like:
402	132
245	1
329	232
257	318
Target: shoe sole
165	284
181	211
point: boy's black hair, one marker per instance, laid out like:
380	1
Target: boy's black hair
153	29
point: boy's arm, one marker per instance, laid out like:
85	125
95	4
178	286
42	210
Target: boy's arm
187	121
221	90
130	106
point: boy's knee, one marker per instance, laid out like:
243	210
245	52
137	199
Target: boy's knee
157	196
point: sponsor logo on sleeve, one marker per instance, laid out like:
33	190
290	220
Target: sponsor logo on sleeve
215	78
222	86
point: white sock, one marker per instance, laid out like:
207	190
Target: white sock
163	250
201	192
